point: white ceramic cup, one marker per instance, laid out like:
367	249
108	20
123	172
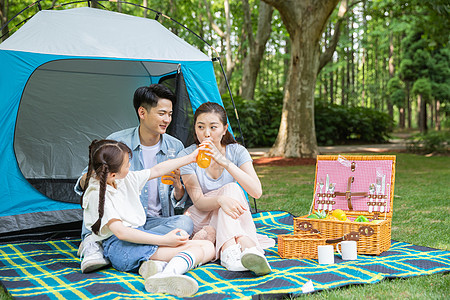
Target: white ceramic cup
325	254
348	250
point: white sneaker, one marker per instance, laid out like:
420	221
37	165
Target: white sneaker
92	256
151	267
80	248
230	258
174	284
255	261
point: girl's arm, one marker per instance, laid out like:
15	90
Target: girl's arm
132	235
172	164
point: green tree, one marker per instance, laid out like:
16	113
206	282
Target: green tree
397	94
422	88
305	22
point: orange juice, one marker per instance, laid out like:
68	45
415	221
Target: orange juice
167	179
203	160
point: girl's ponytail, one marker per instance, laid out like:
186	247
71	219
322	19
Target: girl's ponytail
105	157
103	175
89	172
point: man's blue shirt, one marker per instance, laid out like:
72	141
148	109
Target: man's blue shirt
130	137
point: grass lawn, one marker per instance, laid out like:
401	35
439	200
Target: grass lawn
421	217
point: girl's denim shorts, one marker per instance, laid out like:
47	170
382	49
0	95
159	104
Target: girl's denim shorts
125	256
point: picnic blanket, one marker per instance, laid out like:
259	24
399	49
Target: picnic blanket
51	270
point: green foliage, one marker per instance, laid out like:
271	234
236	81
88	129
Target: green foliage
337	124
259	118
423	87
396	90
431	142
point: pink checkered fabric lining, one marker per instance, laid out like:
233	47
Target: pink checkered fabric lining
365	174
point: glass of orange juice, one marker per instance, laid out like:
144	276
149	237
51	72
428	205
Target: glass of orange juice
168	179
203	160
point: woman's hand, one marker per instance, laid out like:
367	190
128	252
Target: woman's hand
176	237
215	153
231	207
193	155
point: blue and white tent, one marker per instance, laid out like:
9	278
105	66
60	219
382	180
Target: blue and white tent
67	77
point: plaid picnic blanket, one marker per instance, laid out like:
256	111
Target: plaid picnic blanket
51	270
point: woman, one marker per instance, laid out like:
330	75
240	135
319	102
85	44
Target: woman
218	199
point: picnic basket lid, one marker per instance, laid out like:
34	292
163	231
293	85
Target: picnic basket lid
357	172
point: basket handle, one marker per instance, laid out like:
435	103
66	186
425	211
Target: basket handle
348	194
351	236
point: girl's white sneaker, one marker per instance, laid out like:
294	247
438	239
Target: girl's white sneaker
151	267
173	284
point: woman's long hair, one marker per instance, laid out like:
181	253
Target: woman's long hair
105	156
211	107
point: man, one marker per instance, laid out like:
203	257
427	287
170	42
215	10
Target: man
150	145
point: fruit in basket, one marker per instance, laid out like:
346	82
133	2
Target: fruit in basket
317	215
362	218
339	214
321	214
331	217
312	216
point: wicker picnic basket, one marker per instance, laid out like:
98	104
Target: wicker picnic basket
300	245
354	178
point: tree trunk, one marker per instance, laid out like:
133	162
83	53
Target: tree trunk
363	82
252	62
352	63
305	22
363	63
287	50
438	119
408	105
3	19
93	4
332	87
145	4
230	64
343	89
391	67
431	108
348	68
421	104
401	117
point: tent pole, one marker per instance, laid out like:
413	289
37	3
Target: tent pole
232	100
235	112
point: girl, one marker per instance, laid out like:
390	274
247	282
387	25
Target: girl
113	211
218	199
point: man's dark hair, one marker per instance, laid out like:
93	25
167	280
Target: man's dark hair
148	96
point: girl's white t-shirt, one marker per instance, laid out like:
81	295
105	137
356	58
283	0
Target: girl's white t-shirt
122	203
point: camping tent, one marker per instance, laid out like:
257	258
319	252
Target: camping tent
67	77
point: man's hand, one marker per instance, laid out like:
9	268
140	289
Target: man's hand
178	192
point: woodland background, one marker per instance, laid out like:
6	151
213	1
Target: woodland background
372	67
